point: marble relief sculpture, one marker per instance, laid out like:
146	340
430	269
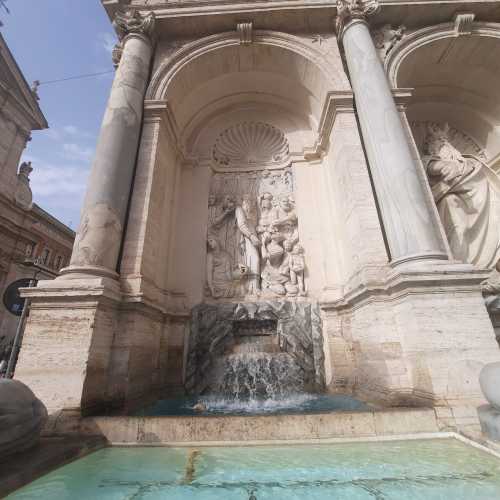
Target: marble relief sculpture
253	239
467	195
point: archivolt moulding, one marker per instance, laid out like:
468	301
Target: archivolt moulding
166	72
424	36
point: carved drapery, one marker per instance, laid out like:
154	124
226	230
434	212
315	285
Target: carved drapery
466	192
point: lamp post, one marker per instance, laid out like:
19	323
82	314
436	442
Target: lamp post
18	338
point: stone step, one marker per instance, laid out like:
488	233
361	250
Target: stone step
245	429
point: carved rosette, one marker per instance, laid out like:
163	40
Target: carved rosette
350	10
131	22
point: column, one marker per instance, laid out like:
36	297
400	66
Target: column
99	238
411	230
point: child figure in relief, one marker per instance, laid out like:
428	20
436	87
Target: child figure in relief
295	266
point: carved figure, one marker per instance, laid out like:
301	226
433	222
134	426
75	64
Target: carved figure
221	276
251	245
246	218
213	212
224	226
463	189
286	221
386	37
267	217
295	265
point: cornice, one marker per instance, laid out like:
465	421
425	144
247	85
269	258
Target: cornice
30	105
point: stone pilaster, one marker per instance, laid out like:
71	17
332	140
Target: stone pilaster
99	237
411	230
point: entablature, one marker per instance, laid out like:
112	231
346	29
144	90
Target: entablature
187	18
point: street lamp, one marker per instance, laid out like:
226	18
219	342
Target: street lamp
16	346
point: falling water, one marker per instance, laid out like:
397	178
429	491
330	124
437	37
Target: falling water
258	375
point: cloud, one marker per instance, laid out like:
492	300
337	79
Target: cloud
74	152
53	134
58	133
59	189
107	41
71	130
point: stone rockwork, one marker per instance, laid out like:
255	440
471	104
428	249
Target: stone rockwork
215	330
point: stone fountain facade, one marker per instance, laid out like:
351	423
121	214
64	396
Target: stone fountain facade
255	156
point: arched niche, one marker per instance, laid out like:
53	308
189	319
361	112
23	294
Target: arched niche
208	86
456	79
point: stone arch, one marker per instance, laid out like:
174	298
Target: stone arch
208	76
455	78
198	90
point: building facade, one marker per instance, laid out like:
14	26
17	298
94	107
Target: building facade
27	232
264	154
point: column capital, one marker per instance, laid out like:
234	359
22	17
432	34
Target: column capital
351	10
132	22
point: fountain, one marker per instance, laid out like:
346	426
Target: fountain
244	353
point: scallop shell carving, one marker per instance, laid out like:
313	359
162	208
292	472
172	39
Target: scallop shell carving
251	145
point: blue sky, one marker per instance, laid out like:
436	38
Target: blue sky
53	39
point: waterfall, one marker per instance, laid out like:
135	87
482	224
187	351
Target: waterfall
257	375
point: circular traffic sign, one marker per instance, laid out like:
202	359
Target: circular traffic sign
11	298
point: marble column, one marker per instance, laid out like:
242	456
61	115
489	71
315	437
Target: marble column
99	238
411	230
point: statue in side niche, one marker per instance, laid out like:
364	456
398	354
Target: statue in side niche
465	191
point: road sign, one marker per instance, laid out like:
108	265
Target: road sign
11	298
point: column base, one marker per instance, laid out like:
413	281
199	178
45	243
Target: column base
79	272
420	259
67	342
89	350
419	338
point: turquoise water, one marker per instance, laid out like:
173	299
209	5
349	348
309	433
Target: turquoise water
425	469
293	404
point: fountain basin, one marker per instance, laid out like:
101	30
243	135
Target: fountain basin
427	469
290	405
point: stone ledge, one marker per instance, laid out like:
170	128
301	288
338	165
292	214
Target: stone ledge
178	430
